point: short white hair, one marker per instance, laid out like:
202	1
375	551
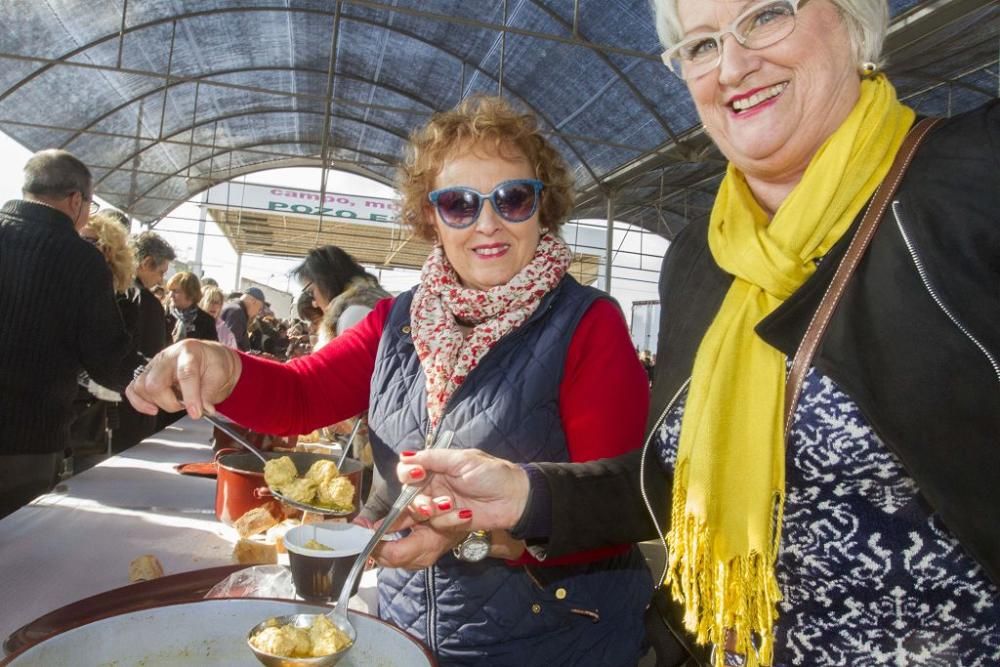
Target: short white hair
867	25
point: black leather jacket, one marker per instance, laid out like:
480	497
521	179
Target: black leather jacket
915	342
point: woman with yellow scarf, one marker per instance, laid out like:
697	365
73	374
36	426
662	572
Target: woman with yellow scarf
871	533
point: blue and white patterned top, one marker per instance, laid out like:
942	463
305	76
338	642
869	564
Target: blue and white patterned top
868	572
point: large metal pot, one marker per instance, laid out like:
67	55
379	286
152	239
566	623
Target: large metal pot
240	486
207	632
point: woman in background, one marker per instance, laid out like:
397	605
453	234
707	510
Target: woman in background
212	300
190	320
340	287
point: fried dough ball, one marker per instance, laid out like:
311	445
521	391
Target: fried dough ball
300	489
326	637
279	472
284	640
322	472
337	493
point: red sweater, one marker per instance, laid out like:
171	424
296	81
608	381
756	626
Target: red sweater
603	397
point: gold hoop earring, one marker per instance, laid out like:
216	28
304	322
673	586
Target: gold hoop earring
868	69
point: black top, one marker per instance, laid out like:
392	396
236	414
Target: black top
195	323
57	316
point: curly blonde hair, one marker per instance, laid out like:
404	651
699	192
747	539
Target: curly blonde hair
112	240
481	121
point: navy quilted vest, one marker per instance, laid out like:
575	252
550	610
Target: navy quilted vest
489	613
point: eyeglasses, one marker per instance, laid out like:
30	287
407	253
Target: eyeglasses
307	288
94	207
762	25
514	201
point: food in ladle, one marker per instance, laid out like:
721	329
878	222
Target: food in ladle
289	641
322	485
279	472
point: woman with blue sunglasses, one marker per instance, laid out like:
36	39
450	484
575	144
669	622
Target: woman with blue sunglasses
497	343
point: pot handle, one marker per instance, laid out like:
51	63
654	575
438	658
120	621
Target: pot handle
226	450
262	492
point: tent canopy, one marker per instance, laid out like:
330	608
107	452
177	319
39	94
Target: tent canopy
165	98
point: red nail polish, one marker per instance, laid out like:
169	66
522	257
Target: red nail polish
417	473
444	506
409	453
426	511
464	514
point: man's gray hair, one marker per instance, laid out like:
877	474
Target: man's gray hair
56	173
867	25
151	244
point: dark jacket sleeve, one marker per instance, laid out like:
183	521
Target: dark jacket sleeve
101	339
204	327
128	306
600	503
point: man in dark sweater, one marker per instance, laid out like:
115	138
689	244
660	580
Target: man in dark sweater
238	314
57	316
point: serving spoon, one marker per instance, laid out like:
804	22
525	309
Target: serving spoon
305	507
338	615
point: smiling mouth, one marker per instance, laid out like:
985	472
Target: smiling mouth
491	251
743	104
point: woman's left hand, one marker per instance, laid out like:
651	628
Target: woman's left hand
420	549
425	545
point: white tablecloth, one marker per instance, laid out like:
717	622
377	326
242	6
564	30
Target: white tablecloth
79	540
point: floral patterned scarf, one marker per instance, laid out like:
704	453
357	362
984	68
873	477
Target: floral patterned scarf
446	354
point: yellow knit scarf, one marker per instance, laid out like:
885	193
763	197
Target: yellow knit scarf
729	484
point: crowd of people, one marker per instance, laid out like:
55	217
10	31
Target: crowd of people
823	496
123	310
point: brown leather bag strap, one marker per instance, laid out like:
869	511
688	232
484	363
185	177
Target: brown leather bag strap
855	251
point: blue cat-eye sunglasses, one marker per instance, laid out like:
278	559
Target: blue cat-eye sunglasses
514	201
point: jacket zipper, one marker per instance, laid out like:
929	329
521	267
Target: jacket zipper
432	642
933	294
642	480
429	588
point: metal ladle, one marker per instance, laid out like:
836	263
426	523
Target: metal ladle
305	507
338	615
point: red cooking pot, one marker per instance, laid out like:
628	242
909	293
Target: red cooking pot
240	486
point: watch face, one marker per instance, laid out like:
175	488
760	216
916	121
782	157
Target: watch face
475	550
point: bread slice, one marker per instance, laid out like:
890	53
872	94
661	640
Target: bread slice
255	521
249	552
145	568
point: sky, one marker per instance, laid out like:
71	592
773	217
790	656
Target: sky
634	272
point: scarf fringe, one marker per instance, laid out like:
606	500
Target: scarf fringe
739	596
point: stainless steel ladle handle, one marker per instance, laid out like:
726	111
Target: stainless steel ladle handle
232	433
443	441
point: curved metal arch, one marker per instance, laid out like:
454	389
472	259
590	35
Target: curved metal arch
650	108
123	30
253	112
240	70
304	10
236	149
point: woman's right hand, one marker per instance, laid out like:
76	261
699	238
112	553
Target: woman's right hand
191	375
481	492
